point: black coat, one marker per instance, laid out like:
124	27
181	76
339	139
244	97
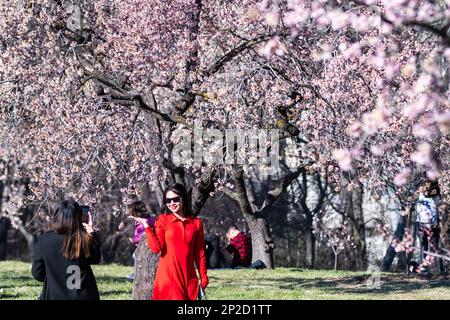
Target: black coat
59	274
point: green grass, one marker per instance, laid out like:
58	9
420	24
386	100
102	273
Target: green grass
16	282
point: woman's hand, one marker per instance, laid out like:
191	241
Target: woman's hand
204	281
89	226
142	221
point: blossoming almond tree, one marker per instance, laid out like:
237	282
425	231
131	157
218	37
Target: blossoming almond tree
385	76
100	92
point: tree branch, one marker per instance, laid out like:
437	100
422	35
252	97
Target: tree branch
234	52
281	187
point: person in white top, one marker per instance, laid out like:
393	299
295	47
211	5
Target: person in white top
428	217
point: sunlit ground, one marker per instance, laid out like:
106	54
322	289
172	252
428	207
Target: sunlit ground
16	282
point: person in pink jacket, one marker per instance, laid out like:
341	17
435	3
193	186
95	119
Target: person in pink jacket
138	209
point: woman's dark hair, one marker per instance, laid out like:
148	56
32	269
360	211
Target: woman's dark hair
432	187
138	209
180	190
68	221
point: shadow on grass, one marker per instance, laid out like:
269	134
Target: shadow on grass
9	296
389	284
358	284
27	278
15	285
113	279
106	293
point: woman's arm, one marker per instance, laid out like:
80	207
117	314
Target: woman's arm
38	266
155	237
199	254
96	254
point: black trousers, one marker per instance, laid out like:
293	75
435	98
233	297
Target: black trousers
429	240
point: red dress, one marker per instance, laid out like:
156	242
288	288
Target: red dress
181	244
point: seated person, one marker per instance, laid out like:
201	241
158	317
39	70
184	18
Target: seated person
240	247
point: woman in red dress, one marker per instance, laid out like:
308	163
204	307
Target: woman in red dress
179	237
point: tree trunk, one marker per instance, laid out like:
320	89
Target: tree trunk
335	261
390	252
4	226
202	190
262	241
30	239
359	227
310	243
288	249
299	245
145	271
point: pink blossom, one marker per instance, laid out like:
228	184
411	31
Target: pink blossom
273	46
338	19
377	150
291	19
374	120
426	128
443	121
391	71
424	154
273	18
432	174
402	177
355	130
415	109
352	51
344	158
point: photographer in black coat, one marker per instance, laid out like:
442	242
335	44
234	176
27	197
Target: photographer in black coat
62	257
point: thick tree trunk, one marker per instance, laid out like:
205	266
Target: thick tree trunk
145	271
310	250
30	239
262	241
359	227
390	252
310	243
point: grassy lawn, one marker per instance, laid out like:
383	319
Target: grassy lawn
16	282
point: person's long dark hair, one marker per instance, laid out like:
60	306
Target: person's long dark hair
180	190
68	221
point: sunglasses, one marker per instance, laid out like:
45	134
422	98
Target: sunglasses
174	199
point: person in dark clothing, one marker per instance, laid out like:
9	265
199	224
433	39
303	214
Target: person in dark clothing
212	243
63	257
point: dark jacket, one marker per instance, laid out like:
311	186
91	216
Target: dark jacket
60	275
